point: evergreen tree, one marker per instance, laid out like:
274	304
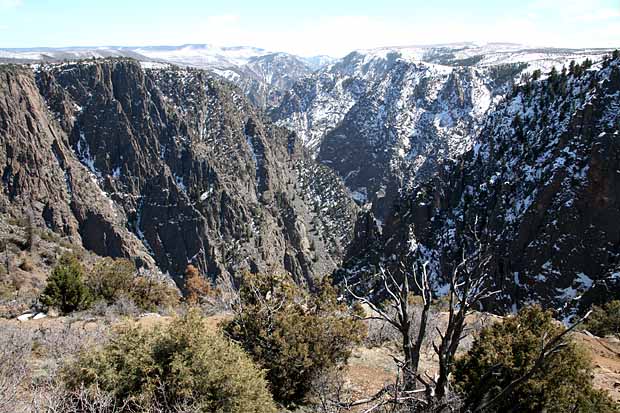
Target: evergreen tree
505	352
65	288
292	334
110	279
553	75
605	320
182	366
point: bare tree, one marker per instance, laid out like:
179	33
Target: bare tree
468	285
329	392
400	318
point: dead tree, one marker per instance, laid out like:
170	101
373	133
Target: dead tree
469	285
401	318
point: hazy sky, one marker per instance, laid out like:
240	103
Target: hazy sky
308	27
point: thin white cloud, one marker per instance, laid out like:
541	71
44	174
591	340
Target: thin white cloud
599	15
9	4
339	35
578	10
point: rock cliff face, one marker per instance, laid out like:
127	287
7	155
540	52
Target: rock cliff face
41	174
540	185
167	166
171	166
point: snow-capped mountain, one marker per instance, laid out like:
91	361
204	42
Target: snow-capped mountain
45	54
201	55
382	116
486	54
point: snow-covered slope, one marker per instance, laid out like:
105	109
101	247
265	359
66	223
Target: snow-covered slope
202	55
540	187
66	53
266	78
384	116
371	117
486	54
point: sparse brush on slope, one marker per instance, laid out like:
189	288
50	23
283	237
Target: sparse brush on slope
110	281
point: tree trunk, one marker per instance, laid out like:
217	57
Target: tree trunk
417	349
410	366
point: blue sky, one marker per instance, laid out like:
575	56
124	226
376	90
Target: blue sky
309	27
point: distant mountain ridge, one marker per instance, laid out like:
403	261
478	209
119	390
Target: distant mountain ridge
262	74
266	75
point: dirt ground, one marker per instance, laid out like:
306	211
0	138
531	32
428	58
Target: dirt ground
605	353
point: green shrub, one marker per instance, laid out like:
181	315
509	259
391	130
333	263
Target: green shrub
110	279
113	280
292	334
166	366
511	348
605	320
65	288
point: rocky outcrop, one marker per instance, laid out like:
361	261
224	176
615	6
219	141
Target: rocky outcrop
42	176
167	166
